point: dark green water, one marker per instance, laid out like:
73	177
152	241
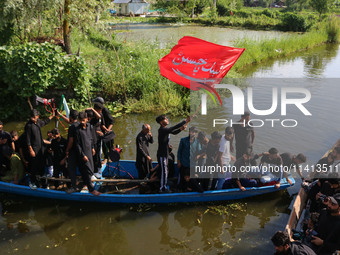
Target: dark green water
29	226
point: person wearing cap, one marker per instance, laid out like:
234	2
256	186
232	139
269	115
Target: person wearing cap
85	151
224	155
283	245
35	144
163	146
143	159
187	152
7	147
328	227
244	135
106	126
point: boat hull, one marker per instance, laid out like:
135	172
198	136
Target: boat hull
163	198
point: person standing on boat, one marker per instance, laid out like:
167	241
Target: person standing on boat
58	146
163	146
106	126
71	155
244	135
209	182
94	119
283	245
35	145
6	147
143	159
85	151
224	156
187	152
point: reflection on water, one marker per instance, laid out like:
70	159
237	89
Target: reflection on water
29	226
32	227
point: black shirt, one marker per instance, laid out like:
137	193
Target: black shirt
243	135
59	148
142	144
164	137
33	134
328	229
84	141
107	118
72	133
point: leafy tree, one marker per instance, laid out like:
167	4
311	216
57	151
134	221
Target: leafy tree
23	16
321	6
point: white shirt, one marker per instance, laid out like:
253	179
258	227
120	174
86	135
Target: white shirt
225	149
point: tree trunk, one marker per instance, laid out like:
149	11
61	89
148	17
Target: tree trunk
66	27
214	3
97	14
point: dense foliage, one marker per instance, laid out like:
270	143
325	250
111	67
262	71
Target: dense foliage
32	69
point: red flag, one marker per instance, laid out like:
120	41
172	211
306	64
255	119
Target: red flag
194	60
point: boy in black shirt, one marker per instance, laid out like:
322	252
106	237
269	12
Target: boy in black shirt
35	144
58	146
163	145
85	151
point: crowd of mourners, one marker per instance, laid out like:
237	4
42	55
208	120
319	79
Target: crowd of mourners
25	159
319	231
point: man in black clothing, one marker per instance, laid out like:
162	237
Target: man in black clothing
58	146
6	148
163	145
212	160
143	159
106	126
283	246
71	155
328	227
85	151
35	145
244	135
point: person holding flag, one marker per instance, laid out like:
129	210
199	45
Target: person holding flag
163	146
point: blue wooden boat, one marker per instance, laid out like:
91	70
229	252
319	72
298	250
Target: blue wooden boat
187	197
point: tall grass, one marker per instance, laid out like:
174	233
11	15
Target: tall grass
259	51
127	74
332	28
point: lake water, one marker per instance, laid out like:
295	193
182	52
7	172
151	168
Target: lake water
30	226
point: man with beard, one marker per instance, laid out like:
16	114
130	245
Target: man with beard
283	246
328	228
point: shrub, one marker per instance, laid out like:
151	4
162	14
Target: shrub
293	22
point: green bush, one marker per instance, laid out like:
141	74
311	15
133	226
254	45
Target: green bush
293	22
32	68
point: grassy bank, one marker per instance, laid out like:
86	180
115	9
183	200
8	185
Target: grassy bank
127	74
133	83
259	51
